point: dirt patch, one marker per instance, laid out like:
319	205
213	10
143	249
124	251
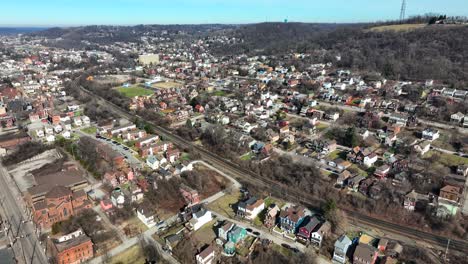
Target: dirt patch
22	173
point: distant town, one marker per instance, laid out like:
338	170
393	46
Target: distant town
167	148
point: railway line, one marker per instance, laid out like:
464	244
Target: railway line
277	189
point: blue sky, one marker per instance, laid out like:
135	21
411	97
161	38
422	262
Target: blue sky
131	12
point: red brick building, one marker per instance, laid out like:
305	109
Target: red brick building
60	203
72	249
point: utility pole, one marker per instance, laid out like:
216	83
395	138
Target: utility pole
446	250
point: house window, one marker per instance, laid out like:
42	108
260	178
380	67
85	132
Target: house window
65	213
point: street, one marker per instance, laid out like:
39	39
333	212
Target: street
27	248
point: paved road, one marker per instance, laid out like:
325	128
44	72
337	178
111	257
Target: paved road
27	249
277	189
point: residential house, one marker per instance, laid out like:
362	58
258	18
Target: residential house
422	148
271	216
457	118
451	193
191	196
206	256
72	248
462	170
200	217
305	231
224	230
365	254
382	171
343	178
146	141
354	182
341	249
250	208
155	161
291	218
237	234
430	134
117	198
322	146
146	215
319	233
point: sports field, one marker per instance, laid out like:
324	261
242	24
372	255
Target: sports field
134	91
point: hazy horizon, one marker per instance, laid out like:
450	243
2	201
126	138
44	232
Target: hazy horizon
68	13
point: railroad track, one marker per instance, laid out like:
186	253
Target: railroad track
277	189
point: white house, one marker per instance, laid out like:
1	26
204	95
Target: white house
40	133
317	235
200	216
58	128
50	138
370	159
66	134
430	134
146	215
423	147
250	208
117	198
206	256
86	120
77	121
155	161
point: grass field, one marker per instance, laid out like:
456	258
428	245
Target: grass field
402	27
133	255
134	91
89	130
447	159
166	85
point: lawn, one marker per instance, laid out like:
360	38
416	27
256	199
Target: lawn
218	93
206	234
358	170
449	160
89	130
134	91
247	156
282	250
334	155
321	126
131	255
223	204
400	27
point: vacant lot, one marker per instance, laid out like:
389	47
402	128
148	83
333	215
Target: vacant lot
134	91
402	27
131	255
225	204
206	234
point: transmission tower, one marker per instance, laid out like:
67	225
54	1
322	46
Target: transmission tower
403	10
